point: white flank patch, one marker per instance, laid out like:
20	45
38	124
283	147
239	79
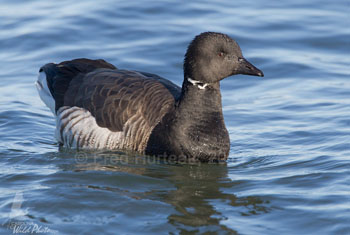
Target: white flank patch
44	92
77	128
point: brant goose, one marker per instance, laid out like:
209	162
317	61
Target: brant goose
98	106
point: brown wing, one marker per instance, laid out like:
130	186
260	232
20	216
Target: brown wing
122	101
60	75
115	97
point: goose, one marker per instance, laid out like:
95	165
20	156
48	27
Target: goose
98	106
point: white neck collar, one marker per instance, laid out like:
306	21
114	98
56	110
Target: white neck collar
199	84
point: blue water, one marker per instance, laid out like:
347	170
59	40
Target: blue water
289	165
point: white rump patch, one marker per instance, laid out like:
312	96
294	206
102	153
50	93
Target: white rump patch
44	92
77	128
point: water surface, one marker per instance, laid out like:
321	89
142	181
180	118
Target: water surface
288	169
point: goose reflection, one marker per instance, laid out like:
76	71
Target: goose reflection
198	188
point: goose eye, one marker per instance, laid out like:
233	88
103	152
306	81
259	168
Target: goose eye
221	54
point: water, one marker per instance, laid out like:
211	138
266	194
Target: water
288	170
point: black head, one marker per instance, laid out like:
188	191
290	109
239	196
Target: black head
211	57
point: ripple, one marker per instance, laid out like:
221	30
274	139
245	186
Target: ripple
289	131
